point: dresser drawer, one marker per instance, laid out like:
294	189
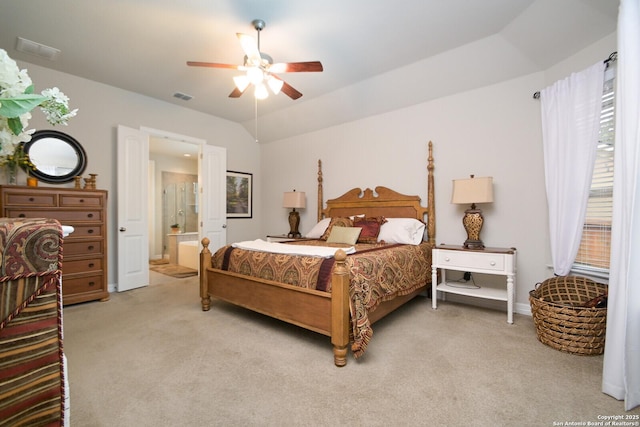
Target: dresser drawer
35	200
85	231
82	266
471	260
79	201
79	285
64	216
89	247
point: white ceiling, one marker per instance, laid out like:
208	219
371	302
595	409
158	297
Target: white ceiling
377	54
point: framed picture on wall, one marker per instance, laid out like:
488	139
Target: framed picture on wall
239	195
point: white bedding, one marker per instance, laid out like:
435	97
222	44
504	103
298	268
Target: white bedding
282	248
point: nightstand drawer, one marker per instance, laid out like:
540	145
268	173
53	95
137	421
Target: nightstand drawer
471	260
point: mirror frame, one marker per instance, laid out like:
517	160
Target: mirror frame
72	142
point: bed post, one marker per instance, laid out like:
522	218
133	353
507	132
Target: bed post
205	261
320	195
340	309
431	202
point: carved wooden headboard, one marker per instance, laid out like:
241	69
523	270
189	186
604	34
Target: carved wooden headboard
382	202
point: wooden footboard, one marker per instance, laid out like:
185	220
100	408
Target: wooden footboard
318	311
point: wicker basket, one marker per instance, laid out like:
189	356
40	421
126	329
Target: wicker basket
561	322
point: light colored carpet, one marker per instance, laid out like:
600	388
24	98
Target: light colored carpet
151	357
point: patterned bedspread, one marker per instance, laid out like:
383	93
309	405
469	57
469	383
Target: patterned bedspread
378	273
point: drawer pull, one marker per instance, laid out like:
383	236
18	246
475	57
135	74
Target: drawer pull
91	265
90	231
22	215
447	259
31	199
92	283
81	200
90	215
90	247
493	263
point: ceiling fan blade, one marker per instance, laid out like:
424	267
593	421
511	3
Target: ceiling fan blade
214	65
236	93
296	67
249	46
288	90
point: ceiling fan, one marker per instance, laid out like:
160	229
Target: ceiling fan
260	69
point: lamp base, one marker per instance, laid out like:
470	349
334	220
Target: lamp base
473	222
473	244
294	223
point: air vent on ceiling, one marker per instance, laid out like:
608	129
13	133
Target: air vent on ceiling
182	96
37	49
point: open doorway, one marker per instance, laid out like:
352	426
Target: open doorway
173	206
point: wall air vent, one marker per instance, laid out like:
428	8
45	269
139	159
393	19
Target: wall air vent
37	49
182	96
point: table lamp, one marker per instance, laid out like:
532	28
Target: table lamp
472	190
294	200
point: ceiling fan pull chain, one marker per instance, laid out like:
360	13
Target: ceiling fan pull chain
256	114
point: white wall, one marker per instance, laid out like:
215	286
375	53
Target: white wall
494	130
102	108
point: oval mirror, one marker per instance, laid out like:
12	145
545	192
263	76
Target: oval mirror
57	157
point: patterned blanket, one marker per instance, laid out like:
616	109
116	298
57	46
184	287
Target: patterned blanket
31	370
378	273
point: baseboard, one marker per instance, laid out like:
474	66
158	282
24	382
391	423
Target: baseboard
518	308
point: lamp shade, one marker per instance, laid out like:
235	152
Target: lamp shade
294	199
472	190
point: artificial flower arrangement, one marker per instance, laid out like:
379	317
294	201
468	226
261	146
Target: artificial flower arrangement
17	100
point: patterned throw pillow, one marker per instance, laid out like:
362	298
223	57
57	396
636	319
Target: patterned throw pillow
340	222
370	228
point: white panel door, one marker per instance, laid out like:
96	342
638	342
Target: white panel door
213	195
132	200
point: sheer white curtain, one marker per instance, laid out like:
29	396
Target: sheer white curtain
621	371
570	124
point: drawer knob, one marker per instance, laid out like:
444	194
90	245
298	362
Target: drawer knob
81	200
90	247
90	215
91	265
447	259
22	215
492	263
31	199
92	283
90	231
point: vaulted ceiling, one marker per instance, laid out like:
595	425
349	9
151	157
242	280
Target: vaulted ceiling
378	55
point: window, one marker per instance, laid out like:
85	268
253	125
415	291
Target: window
595	246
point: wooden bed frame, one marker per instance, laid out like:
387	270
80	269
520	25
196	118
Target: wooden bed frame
322	312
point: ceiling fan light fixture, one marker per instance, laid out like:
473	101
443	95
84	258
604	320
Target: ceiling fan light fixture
242	82
261	91
275	84
255	75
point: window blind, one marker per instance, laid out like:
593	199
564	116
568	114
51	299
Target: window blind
595	246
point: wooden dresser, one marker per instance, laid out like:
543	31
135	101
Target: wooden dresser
84	266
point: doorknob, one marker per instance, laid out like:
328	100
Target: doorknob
224	225
123	229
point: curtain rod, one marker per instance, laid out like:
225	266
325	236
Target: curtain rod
613	57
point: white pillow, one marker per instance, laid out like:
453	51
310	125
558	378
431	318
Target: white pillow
408	231
318	230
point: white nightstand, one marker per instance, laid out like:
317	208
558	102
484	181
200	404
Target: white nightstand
499	261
